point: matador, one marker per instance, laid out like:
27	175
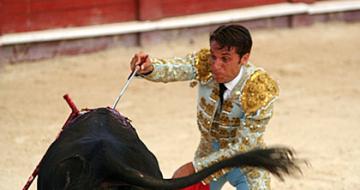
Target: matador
235	102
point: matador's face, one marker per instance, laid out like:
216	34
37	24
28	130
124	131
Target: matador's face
225	62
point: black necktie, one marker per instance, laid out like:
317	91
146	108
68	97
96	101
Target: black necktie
221	92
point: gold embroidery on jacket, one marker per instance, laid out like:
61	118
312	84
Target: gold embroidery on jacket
202	64
258	92
207	107
227	106
226	121
257	178
204	121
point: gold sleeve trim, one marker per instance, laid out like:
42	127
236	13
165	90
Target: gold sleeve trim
258	92
202	65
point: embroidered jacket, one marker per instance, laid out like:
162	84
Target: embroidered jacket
240	124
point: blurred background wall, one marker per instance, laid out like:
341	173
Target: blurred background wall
30	15
39	29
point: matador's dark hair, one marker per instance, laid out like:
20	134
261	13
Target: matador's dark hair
233	36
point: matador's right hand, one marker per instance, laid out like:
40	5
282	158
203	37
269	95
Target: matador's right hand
141	61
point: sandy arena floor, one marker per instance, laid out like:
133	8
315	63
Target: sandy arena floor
318	113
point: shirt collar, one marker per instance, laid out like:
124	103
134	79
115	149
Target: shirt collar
230	85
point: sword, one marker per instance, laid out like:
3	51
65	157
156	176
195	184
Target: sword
130	77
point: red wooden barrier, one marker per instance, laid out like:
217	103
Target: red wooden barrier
155	9
25	15
302	1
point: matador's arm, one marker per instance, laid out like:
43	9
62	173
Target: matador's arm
191	67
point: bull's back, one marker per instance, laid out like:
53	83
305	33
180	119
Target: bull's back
81	151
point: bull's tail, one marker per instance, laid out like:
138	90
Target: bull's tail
278	161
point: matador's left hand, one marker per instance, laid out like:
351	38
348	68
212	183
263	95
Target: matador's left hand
184	170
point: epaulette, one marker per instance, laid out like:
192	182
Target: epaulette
258	92
202	64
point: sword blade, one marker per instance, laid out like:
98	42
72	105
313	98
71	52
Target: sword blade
131	76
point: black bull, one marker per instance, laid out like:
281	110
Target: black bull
101	150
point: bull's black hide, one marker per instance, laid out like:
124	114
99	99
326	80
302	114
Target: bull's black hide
101	150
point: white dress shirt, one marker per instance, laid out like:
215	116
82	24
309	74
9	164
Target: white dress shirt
230	85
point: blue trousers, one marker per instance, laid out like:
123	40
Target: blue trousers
235	177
